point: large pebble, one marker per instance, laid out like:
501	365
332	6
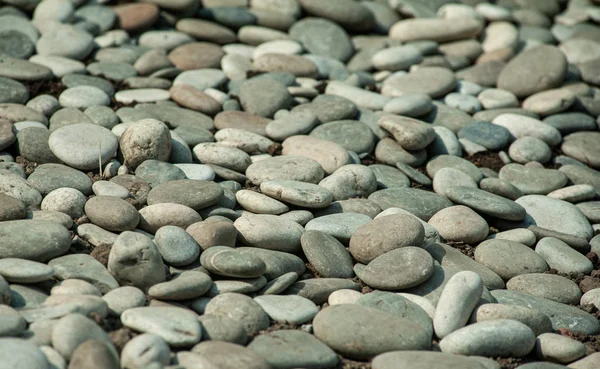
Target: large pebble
457	301
269	232
509	259
297	193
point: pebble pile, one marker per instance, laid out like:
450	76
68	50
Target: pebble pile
278	184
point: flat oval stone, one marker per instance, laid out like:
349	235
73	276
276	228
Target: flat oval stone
330	155
222	328
24	271
318	289
269	232
350	134
296	168
341	226
82	97
308	32
503	337
290	348
23	70
81	145
327	255
13	91
16	187
288	308
486	202
153	217
228	262
176	246
553	71
20	352
385	234
526	149
298	193
556	215
329	108
145	349
112	213
421	203
460	224
509	259
583	146
215	354
444	161
362	332
36	240
184	286
435	29
398	269
561	315
449	177
277	263
410	133
433	81
388	177
189	192
562	257
227	157
548	286
51	43
177	326
264	96
534	319
428	359
410	105
531	180
240	308
521	126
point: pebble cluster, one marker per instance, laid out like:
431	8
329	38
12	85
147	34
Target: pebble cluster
274	184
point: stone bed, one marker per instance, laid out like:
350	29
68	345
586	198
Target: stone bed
274	184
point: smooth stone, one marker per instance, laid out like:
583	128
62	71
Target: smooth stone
502	337
295	168
155	172
509	259
225	355
444	161
15	186
396	58
583	147
82	97
341	226
189	192
522	84
562	257
558	348
328	154
446	178
425	359
277	263
184	286
349	134
134	260
531	180
526	149
410	105
13	91
432	81
11	208
79	46
144	349
227	157
259	203
279	284
486	202
463	102
550	101
574	194
19	352
176	246
329	108
308	32
435	29
73	330
23	70
243	286
389	152
361	332
548	286
83	145
318	289
287	308
534	319
521	126
520	235
410	133
340	297
450	257
567	123
264	96
240	308
32	144
287	349
298	193
201	79
327	255
578	174
458	299
106	188
398	269
123	298
228	262
388	177
86	268
421	203
587	362
445	143
177	326
362	98
12	323
209	233
269	232
36	240
24	271
555	215
561	315
385	234
133	142
495	98
112	213
116	71
350	181
222	328
460	224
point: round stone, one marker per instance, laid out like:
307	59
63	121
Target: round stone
460	224
240	308
83	145
421	203
226	261
583	146
288	308
176	246
350	134
410	105
398	269
526	149
488	135
65	200
133	142
396	58
21	353
196	55
24	271
433	81
309	33
509	259
83	97
552	287
79	46
269	232
463	102
112	213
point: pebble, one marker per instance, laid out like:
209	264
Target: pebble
432	81
521	126
133	147
527	149
532	180
222	328
36	240
581	146
292	309
298	193
246	311
460	224
73	330
184	286
176	326
112	213
562	257
557	348
341	226
327	255
502	337
269	232
24	271
145	349
20	352
509	258
82	145
215	354
339	326
421	203
428	359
